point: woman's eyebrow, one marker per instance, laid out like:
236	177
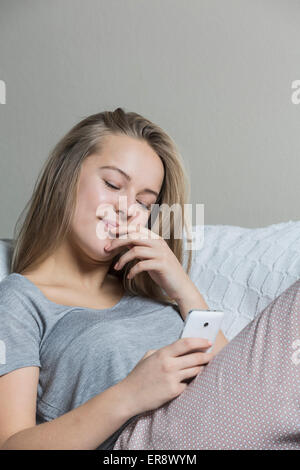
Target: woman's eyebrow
111	167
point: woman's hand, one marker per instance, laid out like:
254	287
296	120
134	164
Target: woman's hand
159	376
156	258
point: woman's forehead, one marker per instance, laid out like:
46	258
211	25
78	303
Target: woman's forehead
131	163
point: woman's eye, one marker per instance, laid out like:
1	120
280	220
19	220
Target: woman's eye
115	187
110	185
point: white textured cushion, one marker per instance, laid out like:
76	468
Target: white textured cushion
237	270
241	270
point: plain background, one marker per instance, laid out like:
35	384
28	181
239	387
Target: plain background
215	74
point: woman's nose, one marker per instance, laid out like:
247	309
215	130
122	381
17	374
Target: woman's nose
126	207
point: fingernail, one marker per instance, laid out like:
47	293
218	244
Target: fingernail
107	247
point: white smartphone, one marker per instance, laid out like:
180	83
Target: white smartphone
202	324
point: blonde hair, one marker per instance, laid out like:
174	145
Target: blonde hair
52	204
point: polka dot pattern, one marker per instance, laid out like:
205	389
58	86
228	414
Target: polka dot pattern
247	397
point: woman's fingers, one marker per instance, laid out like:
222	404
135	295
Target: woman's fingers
144	265
139	252
135	232
187	373
193	360
128	238
141	230
187	345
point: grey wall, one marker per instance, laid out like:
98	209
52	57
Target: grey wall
215	74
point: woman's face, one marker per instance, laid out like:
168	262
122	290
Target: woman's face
107	194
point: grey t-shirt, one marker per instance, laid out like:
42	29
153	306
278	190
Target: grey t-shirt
80	351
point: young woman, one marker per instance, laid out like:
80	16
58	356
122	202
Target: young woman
94	359
73	322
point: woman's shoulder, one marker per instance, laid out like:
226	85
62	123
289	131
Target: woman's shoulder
15	292
9	285
18	309
11	280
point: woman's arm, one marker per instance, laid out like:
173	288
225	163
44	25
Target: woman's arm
84	427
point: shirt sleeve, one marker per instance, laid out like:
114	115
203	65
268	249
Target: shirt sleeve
19	338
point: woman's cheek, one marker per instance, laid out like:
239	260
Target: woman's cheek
102	232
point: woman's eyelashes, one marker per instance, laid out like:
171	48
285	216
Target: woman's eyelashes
117	189
110	185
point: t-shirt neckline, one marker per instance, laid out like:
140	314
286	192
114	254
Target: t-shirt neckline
37	289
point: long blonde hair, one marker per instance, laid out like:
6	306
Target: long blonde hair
52	204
